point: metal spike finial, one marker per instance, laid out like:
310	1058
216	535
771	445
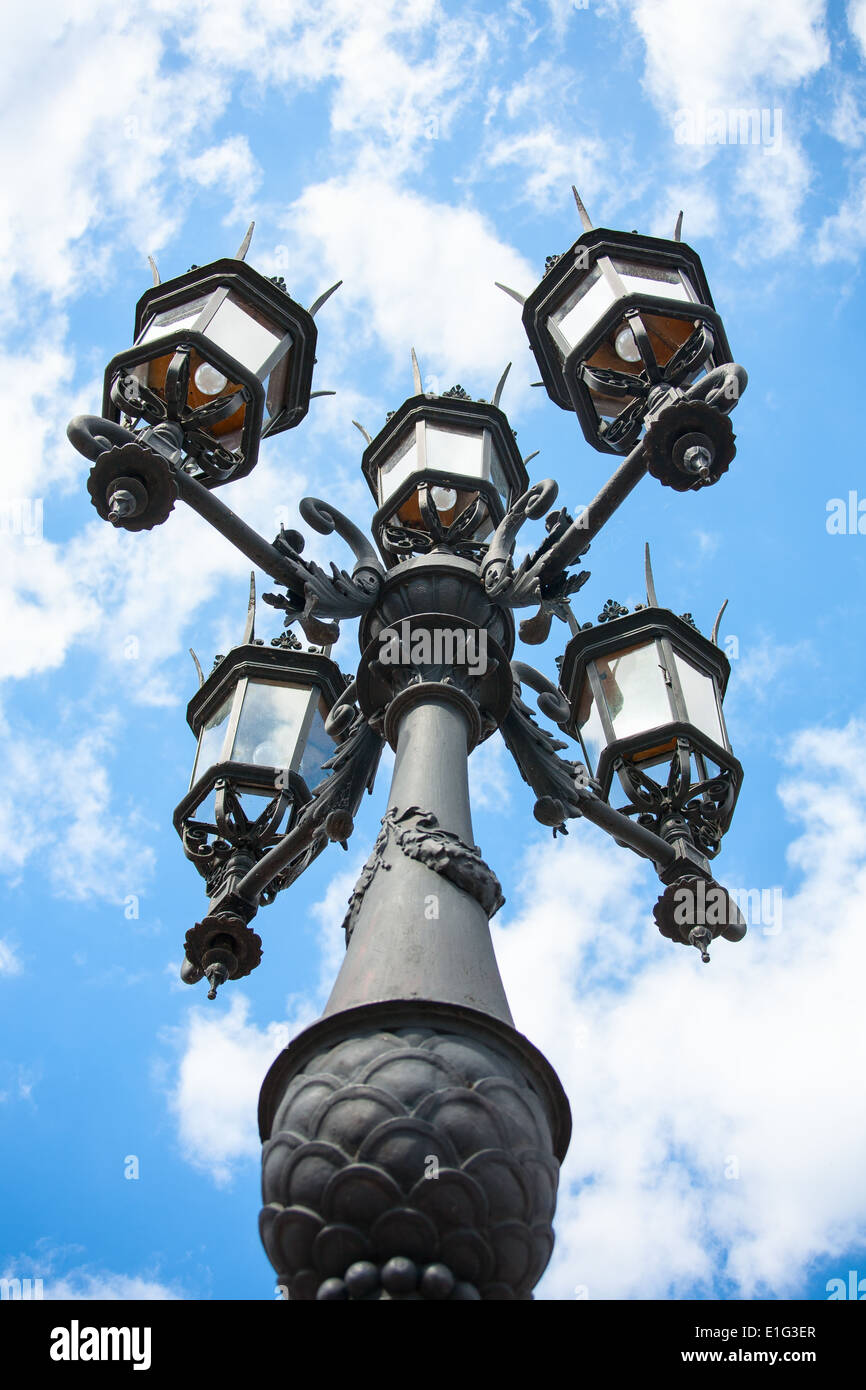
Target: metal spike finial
323	299
678	229
715	635
250	625
515	294
530	457
153	270
199	671
652	601
314	394
499	385
416	375
586	220
241	253
368	437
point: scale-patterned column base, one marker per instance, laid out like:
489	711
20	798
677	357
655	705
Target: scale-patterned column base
411	1151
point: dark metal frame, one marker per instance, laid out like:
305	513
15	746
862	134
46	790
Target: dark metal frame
675	637
217	281
368	1225
452	412
562	373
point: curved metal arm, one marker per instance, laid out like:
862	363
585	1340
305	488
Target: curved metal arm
92	435
722	387
335	595
537	500
325	519
563	788
551	700
230	525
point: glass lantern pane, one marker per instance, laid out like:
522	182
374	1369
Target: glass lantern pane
634	689
318	749
455	451
662	281
210	742
172	320
699	691
399	466
272	721
244	332
589	724
583	308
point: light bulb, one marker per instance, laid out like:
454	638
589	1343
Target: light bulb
209	381
444	498
626	346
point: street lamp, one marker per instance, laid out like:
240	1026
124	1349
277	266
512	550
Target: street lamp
645	692
260	726
642	687
415	1071
616	320
226	355
443	471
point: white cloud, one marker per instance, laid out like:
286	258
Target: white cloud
842	236
857	22
744	56
10	962
232	168
758	668
93	151
677	1072
419	273
101	1285
490	776
87	847
398	72
728	55
85	1282
223	1062
845	121
548	163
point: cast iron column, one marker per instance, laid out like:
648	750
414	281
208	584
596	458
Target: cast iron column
412	1137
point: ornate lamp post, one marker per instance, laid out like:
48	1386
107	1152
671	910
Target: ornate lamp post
412	1137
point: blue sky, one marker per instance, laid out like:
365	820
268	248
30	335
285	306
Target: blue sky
421	151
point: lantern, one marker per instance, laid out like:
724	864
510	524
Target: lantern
443	471
224	352
615	316
260	723
646	687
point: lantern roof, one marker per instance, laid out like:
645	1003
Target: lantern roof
450	409
267	664
565	272
617	627
267	292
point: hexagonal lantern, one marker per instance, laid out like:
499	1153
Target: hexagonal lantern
260	723
615	315
224	352
443	470
643	684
